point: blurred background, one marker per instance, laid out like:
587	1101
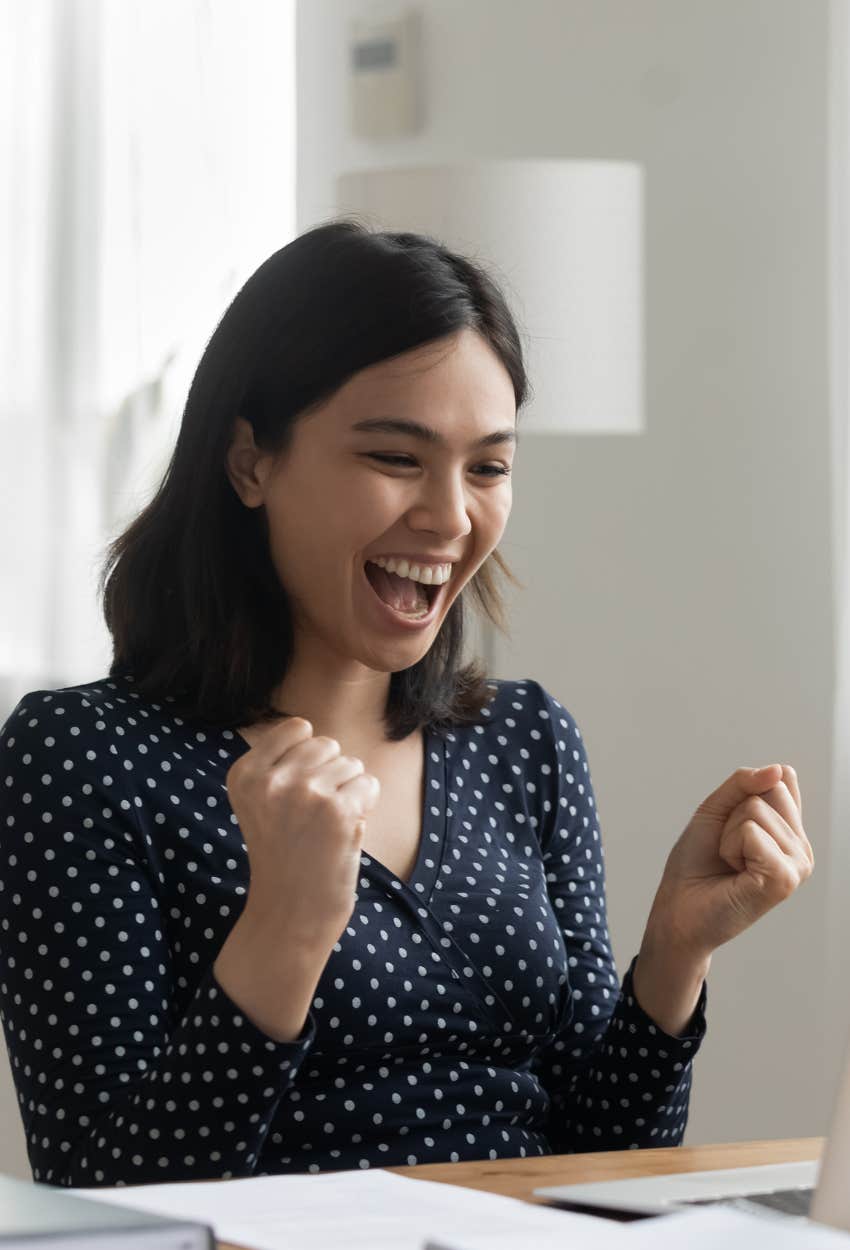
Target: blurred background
685	593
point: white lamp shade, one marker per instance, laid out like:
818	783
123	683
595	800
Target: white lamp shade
564	241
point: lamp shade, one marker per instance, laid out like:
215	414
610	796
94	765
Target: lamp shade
564	241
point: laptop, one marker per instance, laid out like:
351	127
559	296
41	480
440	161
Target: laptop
817	1190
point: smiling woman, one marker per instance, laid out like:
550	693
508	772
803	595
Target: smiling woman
293	888
434	507
202	590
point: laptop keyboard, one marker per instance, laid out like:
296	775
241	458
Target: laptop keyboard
789	1201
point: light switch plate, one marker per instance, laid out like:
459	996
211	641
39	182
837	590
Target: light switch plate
385	75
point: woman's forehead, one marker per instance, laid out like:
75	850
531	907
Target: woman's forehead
465	373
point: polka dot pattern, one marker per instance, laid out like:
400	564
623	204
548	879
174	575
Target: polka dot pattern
473	1012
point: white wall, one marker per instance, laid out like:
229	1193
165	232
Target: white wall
680	601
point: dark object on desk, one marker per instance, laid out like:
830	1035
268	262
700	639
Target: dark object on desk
788	1201
618	1215
34	1215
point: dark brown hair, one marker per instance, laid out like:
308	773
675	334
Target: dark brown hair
197	613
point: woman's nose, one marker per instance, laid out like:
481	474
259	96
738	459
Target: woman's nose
442	508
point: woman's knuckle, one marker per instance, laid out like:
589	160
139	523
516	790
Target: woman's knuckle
273	783
306	785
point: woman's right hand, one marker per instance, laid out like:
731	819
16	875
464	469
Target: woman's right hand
301	806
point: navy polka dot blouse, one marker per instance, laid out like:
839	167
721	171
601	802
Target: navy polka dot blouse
472	1013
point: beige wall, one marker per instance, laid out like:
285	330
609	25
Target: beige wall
13	1152
679	593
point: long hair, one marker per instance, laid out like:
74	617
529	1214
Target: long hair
197	613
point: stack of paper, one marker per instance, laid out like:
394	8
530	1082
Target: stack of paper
372	1209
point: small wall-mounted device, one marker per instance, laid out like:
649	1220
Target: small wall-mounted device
385	75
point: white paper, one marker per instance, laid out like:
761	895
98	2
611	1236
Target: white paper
377	1210
369	1209
708	1228
705	1229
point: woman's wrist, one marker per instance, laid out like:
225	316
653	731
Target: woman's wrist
270	979
667	981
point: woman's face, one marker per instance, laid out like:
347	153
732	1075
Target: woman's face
333	503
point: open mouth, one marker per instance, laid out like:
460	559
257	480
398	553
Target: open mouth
410	599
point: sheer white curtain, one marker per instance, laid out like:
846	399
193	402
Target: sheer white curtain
149	166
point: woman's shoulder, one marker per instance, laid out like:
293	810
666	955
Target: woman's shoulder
55	725
525	719
86	716
520	703
68	709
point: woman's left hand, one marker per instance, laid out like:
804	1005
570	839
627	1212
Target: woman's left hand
744	851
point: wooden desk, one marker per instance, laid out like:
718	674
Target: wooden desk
516	1178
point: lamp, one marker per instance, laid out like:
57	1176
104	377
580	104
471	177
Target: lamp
564	241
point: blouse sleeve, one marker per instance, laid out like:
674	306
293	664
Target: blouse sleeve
116	1084
616	1080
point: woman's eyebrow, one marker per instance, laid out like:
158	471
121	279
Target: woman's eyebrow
400	425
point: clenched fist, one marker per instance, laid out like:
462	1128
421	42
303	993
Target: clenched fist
744	851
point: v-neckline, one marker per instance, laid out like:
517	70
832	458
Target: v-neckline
433	816
432	825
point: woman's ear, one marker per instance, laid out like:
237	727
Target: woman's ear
245	465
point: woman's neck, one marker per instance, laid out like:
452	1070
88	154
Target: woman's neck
345	707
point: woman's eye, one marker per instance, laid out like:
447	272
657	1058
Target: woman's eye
494	470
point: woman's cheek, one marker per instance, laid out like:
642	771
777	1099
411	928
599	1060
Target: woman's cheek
374	492
495	516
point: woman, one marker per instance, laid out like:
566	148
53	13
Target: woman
294	889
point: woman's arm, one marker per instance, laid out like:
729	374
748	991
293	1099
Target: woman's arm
667	983
616	1078
123	1077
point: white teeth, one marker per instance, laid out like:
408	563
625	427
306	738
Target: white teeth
428	574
